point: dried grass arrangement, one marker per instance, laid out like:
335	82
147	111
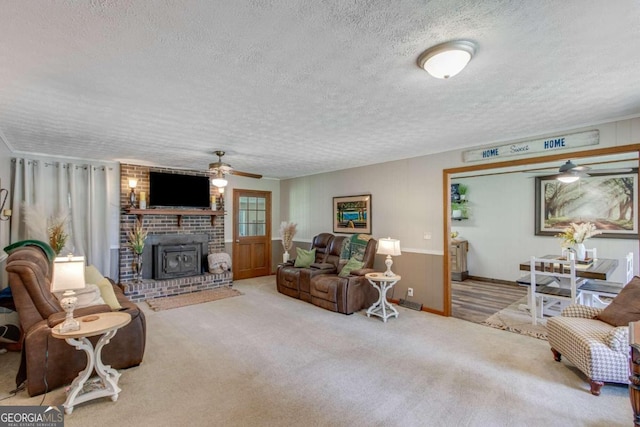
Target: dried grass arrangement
287	232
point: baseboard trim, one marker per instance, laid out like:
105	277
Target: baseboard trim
489	280
425	309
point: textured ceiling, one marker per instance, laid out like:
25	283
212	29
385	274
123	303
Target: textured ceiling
292	88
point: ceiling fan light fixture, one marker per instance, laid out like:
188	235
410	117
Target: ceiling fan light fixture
447	59
219	181
567	167
568	178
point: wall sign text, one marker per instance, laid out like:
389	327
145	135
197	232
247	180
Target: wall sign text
536	146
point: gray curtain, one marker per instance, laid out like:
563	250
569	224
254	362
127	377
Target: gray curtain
78	192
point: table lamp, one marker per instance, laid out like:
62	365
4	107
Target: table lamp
68	275
389	247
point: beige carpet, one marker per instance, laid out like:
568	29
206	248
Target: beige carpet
513	319
192	298
270	360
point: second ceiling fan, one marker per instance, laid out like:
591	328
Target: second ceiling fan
570	172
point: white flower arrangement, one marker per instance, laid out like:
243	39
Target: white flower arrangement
577	233
287	232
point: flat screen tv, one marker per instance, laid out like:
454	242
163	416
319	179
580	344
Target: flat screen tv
172	190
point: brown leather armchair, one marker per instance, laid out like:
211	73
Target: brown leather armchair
288	276
45	358
345	294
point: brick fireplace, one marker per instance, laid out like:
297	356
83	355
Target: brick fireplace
186	240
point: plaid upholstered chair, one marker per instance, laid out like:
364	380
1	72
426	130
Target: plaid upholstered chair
596	340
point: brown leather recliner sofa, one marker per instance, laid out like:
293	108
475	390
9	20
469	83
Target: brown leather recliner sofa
321	285
288	276
44	356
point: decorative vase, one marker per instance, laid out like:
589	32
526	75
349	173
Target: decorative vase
285	257
581	251
137	266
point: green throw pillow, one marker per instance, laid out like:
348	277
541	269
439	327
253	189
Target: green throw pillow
305	258
352	264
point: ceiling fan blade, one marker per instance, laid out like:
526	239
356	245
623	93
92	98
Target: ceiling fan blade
609	171
247	174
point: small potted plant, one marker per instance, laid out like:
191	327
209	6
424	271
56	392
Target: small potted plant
457	210
462	191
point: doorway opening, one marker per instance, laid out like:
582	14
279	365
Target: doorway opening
517	168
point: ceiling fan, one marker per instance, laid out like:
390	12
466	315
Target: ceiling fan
570	172
219	169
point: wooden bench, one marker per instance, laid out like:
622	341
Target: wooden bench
540	280
593	290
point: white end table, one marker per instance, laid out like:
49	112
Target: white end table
105	324
382	283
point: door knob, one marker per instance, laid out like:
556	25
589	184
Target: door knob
237	241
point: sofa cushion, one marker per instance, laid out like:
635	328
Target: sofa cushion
305	258
93	275
108	295
352	264
625	307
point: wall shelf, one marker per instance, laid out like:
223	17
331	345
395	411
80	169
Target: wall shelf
140	213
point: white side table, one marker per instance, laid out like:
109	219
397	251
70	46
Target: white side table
105	324
382	283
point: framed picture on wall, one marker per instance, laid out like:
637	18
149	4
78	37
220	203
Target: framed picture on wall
609	201
352	214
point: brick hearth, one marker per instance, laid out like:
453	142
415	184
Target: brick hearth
150	289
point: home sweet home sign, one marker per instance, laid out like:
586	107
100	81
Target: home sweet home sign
555	143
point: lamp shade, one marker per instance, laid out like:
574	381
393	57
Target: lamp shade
447	59
68	273
389	246
133	182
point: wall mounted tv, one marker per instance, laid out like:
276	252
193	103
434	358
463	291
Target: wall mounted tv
178	191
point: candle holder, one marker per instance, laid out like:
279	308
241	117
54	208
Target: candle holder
132	195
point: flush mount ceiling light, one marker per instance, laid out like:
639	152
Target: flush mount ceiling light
447	59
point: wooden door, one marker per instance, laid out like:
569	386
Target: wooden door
251	233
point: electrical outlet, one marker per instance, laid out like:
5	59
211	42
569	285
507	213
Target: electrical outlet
410	292
427	235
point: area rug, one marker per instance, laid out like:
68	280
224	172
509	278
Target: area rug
167	303
513	319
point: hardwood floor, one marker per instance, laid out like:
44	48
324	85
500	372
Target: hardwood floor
476	301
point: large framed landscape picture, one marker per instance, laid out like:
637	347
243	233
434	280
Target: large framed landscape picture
608	201
352	214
